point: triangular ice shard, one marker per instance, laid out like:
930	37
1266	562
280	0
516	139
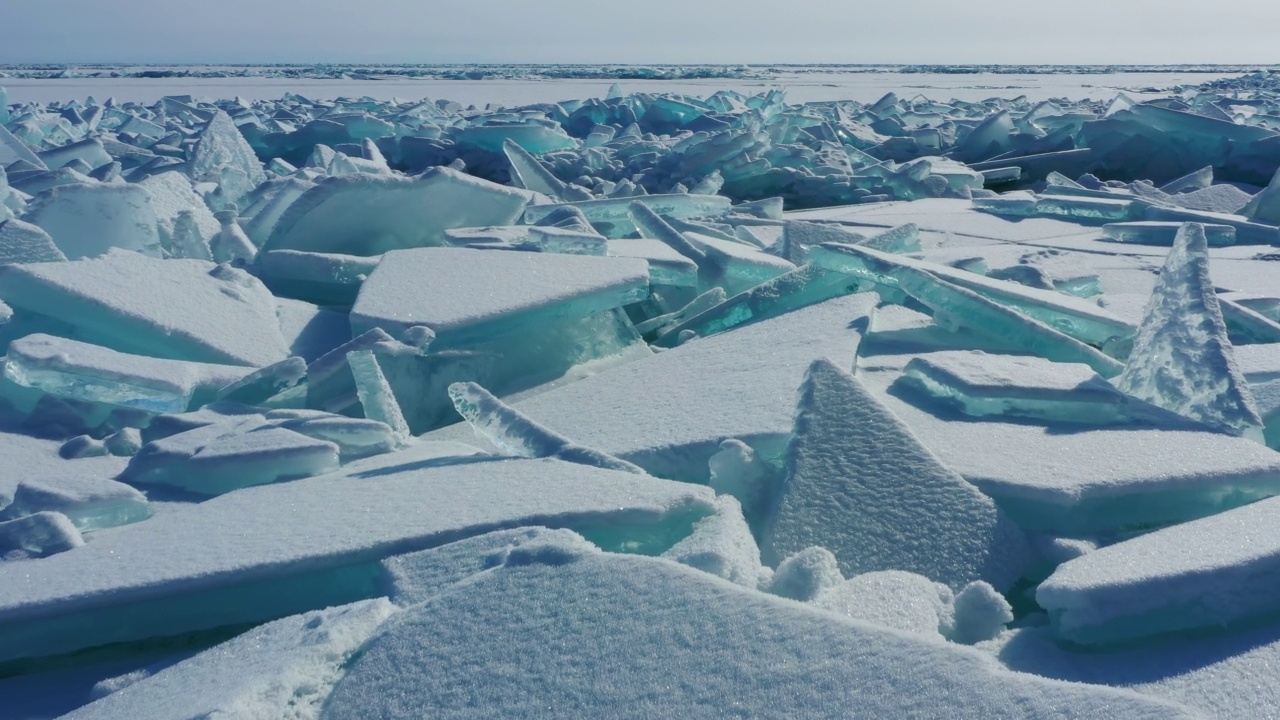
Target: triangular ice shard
860	484
1182	359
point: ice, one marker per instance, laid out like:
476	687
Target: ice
222	155
22	242
175	309
740	652
722	545
712	389
76	370
894	599
231	244
982	384
806	575
220	458
1164	233
1218	675
89	503
86	221
236	559
611	216
1182	359
284	669
515	434
1073	316
170	194
1173	580
859	483
1139	475
376	396
801	287
38	535
955	307
531	175
324	278
371	214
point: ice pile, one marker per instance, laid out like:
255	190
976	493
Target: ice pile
349	409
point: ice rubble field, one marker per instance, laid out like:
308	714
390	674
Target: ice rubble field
650	405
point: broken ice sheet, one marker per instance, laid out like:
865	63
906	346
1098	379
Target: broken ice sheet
89	503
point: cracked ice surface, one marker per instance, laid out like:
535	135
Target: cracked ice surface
645	403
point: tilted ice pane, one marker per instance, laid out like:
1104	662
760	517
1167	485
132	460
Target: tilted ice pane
22	242
1152	232
513	432
1078	318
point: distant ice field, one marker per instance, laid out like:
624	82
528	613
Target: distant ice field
801	87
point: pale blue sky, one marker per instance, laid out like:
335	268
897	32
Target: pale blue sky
653	31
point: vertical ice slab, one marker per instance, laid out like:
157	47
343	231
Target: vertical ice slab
860	484
1182	359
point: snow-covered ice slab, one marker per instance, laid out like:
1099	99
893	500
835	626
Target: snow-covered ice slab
81	371
466	296
1075	480
89	503
365	214
265	552
1222	676
176	309
983	384
557	626
284	669
861	485
1214	572
688	400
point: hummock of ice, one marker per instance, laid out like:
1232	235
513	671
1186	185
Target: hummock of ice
648	404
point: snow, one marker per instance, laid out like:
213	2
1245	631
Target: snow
493	652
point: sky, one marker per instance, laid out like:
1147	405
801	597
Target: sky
653	31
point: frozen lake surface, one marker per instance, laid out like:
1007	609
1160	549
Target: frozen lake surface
801	87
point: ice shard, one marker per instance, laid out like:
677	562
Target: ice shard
846	489
612	219
375	394
22	242
89	503
1182	359
722	545
512	432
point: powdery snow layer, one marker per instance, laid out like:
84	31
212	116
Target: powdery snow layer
559	626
